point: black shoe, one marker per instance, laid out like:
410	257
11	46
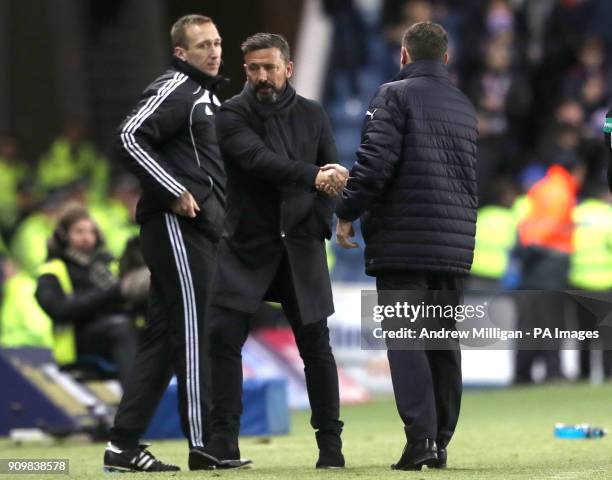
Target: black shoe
442	455
137	459
416	454
205	458
330	450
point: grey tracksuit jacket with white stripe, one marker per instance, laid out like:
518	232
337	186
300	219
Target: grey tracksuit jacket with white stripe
168	141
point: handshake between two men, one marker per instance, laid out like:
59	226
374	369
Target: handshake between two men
331	179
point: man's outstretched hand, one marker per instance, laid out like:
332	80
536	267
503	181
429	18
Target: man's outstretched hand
185	205
344	231
331	179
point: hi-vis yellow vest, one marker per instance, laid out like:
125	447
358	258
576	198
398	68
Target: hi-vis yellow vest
495	236
64	341
591	263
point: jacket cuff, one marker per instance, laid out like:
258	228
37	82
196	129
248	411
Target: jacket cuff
308	175
343	212
165	196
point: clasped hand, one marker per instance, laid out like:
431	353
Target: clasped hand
331	179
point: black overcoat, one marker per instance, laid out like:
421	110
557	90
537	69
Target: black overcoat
272	206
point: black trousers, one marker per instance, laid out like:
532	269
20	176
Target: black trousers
544	309
113	338
182	263
545	273
427	383
228	332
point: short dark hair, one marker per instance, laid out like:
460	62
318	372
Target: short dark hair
425	41
259	41
178	35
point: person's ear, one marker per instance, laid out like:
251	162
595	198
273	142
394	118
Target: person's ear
404	57
180	53
445	59
289	69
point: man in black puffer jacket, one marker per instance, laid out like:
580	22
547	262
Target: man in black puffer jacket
414	185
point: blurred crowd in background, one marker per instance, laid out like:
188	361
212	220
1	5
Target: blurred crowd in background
539	74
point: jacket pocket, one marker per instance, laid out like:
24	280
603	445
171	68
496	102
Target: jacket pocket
321	216
211	216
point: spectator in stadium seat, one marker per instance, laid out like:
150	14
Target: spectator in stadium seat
563	145
77	289
567	112
590	64
348	53
502	96
396	16
568	135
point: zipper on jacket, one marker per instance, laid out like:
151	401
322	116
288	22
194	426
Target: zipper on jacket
282	228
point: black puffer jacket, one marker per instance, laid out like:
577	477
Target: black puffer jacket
414	181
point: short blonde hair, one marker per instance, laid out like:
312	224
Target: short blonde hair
178	32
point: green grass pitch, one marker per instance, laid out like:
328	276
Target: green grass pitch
502	434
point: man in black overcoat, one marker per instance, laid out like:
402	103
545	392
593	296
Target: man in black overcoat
282	170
